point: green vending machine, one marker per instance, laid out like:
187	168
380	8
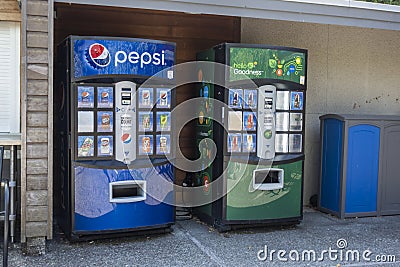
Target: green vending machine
259	139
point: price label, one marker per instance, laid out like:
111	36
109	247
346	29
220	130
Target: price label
126	122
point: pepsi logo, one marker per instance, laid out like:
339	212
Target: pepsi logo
85	94
98	55
126	138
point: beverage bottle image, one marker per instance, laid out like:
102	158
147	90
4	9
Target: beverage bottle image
249	142
235	143
250	101
235	100
201	117
250	121
297	101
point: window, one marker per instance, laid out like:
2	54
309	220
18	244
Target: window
9	77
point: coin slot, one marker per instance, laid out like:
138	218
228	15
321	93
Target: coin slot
126	98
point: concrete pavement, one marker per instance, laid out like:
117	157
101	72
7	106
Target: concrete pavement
312	243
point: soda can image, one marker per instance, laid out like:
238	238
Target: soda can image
163	144
105	121
146	98
104	98
105	145
85	96
146	144
163	98
85	150
146	122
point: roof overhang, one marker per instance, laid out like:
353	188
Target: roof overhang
338	12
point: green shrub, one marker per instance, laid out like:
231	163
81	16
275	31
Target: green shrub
388	2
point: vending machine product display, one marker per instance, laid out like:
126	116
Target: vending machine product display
260	142
112	134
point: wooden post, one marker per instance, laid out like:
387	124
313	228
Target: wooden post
37	126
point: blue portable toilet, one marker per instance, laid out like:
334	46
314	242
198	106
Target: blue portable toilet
357	165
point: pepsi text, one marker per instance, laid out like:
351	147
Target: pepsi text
144	59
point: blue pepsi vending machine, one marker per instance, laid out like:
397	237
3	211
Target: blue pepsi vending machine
112	136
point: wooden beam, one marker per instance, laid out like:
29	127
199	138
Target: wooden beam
9	11
50	152
24	132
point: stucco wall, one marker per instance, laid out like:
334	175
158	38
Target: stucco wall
350	70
